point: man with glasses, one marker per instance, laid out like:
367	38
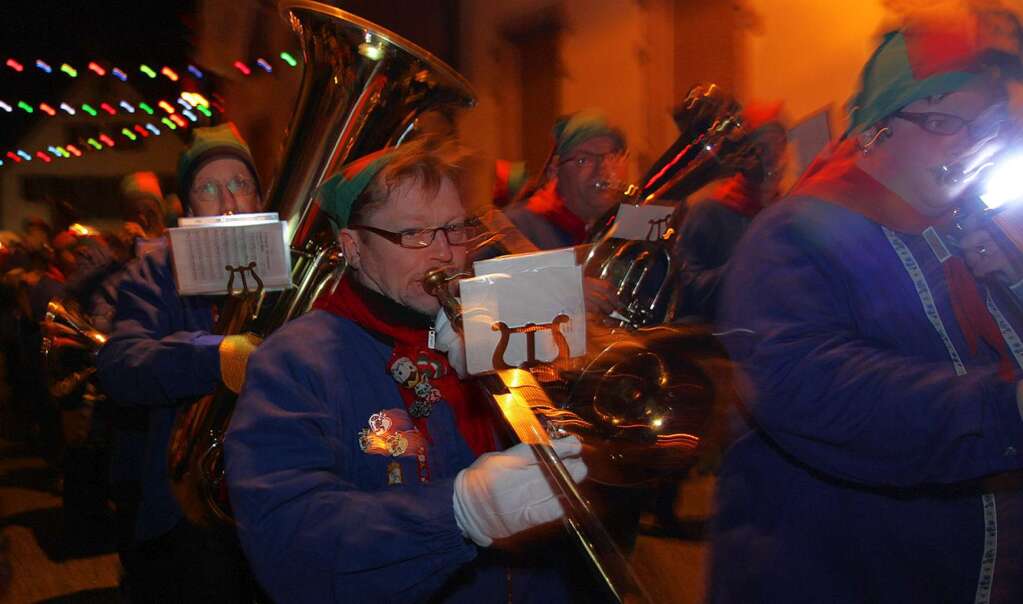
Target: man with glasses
360	466
576	185
162	355
579	182
883	420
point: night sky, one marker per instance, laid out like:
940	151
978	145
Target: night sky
77	32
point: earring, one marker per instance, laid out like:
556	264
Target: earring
879	137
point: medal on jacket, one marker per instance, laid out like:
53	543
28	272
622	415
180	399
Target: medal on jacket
394	473
416	376
391	434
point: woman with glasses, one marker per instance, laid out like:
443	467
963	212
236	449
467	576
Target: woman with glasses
360	466
162	355
883	414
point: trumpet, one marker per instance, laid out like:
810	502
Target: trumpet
69	344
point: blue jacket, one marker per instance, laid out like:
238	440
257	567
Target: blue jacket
537	228
160	355
867	435
317	517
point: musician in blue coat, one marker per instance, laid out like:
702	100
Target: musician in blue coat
361	467
882	412
162	355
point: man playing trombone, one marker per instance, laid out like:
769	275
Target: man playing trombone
360	466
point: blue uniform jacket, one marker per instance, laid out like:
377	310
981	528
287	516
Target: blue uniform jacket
857	476
161	355
317	517
537	228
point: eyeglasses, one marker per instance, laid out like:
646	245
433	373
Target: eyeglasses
239	186
985	125
584	159
456	234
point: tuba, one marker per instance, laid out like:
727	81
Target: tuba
363	88
714	142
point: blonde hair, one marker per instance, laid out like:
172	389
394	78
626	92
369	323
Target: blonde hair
426	162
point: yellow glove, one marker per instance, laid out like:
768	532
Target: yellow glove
234	356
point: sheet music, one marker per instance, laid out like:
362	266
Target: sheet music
641	223
518	290
204	248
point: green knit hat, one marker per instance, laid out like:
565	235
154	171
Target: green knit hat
209	144
338	193
570	131
929	55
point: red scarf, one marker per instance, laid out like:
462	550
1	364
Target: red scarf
349	300
840	181
547	203
741	195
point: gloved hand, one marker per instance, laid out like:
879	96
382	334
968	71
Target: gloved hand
505	492
450	341
234	357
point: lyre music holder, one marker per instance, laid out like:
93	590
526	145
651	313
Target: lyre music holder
240	272
530	330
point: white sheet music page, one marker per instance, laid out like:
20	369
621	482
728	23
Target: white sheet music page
203	248
641	223
543	289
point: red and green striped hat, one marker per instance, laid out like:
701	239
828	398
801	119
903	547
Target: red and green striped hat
338	194
929	55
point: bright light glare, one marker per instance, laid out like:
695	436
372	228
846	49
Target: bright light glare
371	52
1004	183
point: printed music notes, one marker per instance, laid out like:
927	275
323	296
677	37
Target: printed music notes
204	248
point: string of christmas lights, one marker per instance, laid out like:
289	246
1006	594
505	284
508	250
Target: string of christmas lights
100	142
262	65
171	118
187	100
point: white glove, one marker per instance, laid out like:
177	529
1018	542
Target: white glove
505	492
450	341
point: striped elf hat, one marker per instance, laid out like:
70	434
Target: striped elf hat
930	55
338	194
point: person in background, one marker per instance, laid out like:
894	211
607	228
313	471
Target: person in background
569	194
882	434
577	184
712	227
161	355
509	177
